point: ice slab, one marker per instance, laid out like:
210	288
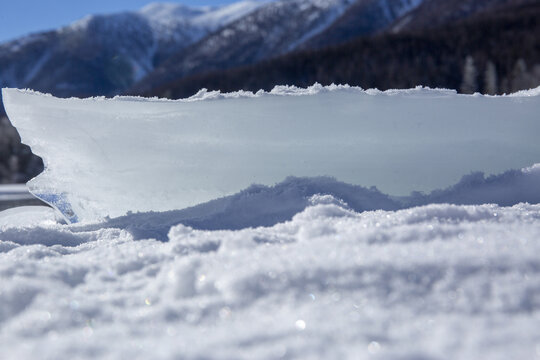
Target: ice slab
105	157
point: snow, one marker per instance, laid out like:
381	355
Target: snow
166	18
227	14
431	282
308	268
176	154
157	28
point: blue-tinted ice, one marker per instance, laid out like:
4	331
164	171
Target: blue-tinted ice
105	157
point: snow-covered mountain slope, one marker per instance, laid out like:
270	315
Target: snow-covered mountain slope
175	26
364	17
104	54
273	29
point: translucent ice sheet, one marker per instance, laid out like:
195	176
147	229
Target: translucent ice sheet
105	157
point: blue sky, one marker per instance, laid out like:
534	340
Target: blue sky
20	17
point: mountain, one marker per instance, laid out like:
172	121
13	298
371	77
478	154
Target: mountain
176	26
105	54
259	36
369	17
274	29
493	51
364	17
431	14
138	52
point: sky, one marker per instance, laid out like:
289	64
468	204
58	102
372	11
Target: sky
20	17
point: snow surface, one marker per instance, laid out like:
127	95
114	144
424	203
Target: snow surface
309	268
176	154
432	282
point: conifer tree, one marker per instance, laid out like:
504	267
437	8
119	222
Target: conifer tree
469	83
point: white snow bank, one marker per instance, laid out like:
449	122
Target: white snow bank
261	205
432	282
107	157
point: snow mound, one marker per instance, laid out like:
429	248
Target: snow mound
432	282
261	205
106	157
508	188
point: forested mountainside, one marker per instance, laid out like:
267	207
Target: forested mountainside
276	29
368	17
267	32
491	52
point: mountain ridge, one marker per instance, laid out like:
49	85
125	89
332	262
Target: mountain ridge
105	53
263	33
267	33
438	58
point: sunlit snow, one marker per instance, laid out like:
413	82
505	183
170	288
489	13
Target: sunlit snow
434	282
291	268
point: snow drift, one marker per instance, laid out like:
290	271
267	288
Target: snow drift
269	205
105	157
433	282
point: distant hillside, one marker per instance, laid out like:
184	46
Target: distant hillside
367	17
143	50
268	32
491	52
431	14
105	54
274	29
363	18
